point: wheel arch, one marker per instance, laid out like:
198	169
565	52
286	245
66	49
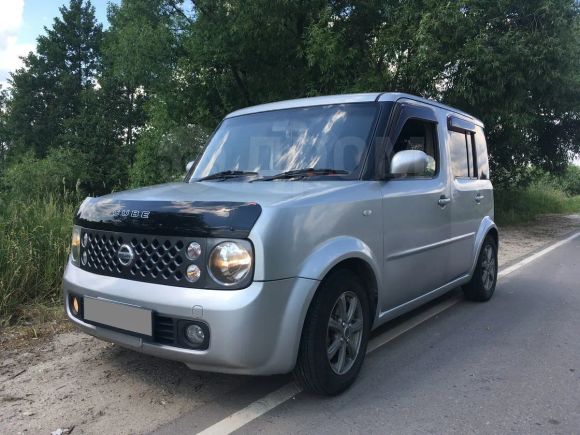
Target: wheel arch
344	252
487	227
493	232
365	273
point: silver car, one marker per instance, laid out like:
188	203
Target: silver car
303	225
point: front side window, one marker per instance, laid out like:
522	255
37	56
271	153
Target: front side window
420	135
269	143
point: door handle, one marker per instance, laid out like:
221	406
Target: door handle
479	197
443	201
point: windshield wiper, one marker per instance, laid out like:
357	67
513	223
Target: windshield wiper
301	173
224	175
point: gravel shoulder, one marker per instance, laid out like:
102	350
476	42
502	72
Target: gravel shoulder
518	241
71	380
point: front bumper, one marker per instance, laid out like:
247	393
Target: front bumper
254	331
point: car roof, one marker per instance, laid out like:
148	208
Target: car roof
343	99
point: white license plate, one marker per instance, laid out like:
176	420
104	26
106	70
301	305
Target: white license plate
126	317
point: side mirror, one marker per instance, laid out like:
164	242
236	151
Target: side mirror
188	166
409	162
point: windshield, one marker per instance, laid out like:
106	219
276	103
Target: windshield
270	143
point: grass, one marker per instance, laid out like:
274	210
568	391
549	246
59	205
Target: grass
523	205
39	322
34	246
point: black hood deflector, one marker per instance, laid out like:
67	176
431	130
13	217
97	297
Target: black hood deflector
172	218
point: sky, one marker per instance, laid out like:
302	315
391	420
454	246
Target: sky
22	21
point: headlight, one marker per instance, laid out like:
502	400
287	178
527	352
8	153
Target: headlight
230	263
75	248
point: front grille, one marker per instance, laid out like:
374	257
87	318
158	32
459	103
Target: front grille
156	259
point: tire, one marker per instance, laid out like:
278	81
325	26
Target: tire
484	279
324	333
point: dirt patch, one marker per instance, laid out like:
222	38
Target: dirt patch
71	380
518	241
74	380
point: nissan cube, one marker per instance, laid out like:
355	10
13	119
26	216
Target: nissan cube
302	226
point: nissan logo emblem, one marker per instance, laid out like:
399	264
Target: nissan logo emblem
125	255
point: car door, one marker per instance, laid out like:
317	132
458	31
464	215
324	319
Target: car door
415	211
470	190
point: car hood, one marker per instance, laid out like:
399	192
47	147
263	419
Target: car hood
216	209
265	193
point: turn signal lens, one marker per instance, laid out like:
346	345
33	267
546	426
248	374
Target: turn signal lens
75	249
76	308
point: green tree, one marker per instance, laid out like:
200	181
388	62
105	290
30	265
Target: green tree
513	63
49	90
64	97
239	53
168	71
518	69
165	147
138	55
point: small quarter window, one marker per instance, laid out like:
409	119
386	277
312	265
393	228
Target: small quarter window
463	155
482	158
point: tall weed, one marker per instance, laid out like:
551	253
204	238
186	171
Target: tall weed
34	246
523	205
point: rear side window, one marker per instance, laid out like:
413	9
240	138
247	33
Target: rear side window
481	155
463	155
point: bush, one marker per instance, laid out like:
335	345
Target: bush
538	192
63	171
571	180
524	204
34	246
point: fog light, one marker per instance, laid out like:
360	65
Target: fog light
193	251
192	273
195	334
75	305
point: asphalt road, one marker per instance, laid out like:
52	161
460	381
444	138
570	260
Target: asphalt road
511	365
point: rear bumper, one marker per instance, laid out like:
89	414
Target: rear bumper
253	331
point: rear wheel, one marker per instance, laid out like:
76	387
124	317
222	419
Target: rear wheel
335	335
482	284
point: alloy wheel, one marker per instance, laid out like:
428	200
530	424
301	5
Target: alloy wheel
344	332
488	268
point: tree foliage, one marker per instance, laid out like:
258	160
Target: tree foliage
51	88
137	100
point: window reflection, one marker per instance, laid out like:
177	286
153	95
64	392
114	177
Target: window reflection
334	136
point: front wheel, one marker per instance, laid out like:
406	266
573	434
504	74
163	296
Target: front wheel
335	335
482	284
